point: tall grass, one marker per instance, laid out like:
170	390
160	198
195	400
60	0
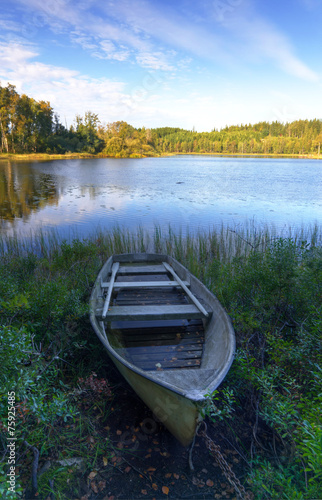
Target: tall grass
225	243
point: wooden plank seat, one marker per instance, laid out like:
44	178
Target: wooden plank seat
150	312
143	284
154	296
145	269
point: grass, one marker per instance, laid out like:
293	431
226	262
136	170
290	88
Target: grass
269	405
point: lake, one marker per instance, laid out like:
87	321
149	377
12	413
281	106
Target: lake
79	197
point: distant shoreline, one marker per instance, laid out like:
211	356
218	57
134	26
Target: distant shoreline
74	156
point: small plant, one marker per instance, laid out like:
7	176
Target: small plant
220	404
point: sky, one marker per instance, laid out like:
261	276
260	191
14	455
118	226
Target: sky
191	64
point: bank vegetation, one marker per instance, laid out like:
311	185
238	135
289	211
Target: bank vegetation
269	406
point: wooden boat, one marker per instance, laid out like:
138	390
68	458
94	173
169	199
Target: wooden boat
167	334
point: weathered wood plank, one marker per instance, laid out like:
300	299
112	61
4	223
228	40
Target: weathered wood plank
166	356
143	284
157	269
163	333
115	268
172	324
164	349
168	365
161	342
152	312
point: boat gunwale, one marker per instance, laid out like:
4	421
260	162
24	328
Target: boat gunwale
196	395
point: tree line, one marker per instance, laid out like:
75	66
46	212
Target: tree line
30	126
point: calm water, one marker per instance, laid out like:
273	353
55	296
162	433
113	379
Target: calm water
195	192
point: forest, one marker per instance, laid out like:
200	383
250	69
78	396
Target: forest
29	126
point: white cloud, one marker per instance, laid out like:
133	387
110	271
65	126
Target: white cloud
110	51
69	92
105	36
155	61
141	25
265	41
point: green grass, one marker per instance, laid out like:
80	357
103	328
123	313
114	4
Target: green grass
269	283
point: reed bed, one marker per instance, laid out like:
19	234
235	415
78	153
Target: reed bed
224	243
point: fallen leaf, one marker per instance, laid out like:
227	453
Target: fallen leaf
169	474
118	432
101	485
127	470
165	490
94	487
154	486
148	455
151	469
209	482
176	476
144	492
92	474
105	461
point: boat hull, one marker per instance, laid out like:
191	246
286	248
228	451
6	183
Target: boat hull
177	413
176	397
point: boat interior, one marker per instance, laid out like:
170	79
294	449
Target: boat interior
154	342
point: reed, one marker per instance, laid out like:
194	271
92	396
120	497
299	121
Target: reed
224	243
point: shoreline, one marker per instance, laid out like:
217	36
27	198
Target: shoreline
74	156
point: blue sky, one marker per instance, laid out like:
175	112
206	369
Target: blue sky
202	64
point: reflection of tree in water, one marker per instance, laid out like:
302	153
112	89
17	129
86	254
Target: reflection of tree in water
22	192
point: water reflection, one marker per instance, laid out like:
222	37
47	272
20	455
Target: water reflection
187	192
21	192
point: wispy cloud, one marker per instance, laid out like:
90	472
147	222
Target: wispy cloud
225	32
155	61
263	41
